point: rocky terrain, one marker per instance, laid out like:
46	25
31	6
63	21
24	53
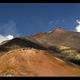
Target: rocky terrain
34	62
54	53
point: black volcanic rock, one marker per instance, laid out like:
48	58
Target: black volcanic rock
19	42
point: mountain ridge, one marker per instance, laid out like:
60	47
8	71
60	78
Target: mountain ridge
51	53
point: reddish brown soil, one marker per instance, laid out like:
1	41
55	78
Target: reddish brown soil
33	62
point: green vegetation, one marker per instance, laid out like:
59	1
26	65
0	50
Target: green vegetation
77	57
67	52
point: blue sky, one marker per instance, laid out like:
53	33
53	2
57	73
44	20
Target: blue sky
22	19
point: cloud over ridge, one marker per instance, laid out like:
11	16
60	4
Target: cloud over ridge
8	31
78	26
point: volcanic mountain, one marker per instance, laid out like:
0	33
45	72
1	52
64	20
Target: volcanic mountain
58	37
51	53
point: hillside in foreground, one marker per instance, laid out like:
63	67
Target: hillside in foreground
34	62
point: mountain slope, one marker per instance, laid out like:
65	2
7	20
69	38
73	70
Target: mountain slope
59	37
43	54
18	43
34	62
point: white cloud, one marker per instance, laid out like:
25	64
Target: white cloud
9	37
3	38
78	26
7	31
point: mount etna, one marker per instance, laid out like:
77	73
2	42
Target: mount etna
53	53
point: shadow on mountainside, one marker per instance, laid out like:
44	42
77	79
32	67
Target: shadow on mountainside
20	43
